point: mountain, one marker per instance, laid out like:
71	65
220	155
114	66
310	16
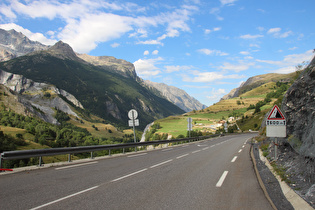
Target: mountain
256	81
101	92
177	96
14	44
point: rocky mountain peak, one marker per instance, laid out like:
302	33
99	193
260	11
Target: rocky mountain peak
64	51
14	44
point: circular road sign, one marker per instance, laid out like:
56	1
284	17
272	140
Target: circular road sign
133	114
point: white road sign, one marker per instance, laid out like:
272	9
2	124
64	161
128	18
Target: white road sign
133	114
276	123
130	122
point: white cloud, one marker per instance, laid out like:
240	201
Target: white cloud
170	69
249	36
146	67
241	66
244	53
155	52
212	52
114	45
208	31
276	33
289	62
208	77
227	2
146	52
32	36
216	94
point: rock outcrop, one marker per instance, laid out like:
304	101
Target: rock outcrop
299	107
40	96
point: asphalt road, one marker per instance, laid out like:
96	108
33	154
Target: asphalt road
211	174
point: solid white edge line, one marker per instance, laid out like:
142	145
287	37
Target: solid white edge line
167	149
156	165
137	155
76	165
128	175
233	160
222	178
69	196
182	156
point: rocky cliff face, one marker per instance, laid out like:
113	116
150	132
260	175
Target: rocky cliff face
299	107
177	96
33	95
14	44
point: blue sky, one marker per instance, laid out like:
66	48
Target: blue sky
205	47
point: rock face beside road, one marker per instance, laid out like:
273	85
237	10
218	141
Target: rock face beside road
299	107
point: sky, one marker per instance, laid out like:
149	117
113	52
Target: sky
205	47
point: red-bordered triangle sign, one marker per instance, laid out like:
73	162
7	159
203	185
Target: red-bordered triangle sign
276	114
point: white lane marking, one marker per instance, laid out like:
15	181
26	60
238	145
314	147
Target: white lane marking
182	156
243	146
233	160
213	146
128	175
156	165
60	199
196	151
221	180
167	149
76	165
240	151
137	155
205	148
185	146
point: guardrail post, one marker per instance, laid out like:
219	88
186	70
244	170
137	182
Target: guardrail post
69	158
0	161
92	155
40	161
123	150
109	152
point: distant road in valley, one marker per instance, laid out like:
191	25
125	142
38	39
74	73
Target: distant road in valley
211	174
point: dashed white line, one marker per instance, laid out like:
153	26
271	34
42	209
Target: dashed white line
128	175
240	151
137	155
156	165
76	165
182	156
69	196
233	160
196	151
205	148
222	178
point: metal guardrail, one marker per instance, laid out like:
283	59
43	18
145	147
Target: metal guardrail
22	154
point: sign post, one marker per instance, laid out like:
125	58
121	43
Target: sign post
189	125
276	126
133	114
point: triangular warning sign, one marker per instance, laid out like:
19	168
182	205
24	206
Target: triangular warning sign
276	114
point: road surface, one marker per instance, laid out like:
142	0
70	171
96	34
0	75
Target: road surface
211	174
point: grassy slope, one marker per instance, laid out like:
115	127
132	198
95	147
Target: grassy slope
223	109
